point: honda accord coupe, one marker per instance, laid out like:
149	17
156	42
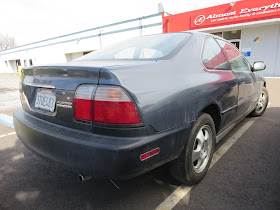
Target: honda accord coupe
125	109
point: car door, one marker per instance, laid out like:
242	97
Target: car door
226	87
246	79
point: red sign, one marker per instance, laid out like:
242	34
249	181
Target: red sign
226	14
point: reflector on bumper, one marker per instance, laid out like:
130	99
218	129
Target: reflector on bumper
149	154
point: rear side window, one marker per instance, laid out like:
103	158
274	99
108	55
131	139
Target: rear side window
235	58
213	57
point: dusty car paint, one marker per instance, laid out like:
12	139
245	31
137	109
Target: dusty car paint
170	94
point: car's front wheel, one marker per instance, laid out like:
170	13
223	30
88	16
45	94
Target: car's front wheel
261	104
192	164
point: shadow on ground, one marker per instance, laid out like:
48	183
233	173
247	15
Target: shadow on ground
245	177
30	182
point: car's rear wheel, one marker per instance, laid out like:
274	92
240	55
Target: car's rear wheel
261	104
192	164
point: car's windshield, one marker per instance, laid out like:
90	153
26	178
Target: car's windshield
146	47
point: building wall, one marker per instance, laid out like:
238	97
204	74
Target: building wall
73	56
277	65
71	46
5	67
12	64
255	19
267	49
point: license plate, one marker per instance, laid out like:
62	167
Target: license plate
45	99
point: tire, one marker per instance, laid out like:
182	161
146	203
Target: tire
192	164
261	104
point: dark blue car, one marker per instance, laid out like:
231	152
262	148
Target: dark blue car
128	108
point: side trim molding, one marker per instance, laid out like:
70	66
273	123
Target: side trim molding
221	135
229	109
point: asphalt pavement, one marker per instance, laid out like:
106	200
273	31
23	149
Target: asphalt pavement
246	175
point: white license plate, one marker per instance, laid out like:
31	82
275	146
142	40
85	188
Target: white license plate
45	99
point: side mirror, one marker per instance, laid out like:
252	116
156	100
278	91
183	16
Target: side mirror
258	66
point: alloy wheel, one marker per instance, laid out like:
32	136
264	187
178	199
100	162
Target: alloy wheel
202	148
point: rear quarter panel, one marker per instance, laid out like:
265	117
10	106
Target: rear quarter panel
172	92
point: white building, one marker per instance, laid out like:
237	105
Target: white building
68	47
253	26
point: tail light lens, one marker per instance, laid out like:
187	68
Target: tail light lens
110	105
113	106
83	102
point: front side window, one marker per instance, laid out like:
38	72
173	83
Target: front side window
145	47
213	57
235	58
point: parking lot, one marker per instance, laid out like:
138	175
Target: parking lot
244	173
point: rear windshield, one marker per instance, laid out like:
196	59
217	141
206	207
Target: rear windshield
145	47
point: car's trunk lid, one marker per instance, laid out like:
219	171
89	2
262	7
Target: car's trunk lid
61	81
56	83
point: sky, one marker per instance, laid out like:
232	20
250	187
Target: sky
34	20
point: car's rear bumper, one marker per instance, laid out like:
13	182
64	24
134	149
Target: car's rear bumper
99	155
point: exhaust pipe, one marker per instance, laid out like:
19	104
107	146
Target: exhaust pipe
83	178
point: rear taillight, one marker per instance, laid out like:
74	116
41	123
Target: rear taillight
109	105
83	102
113	106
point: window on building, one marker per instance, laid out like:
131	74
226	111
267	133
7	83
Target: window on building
25	63
235	58
73	56
6	62
233	36
229	35
236	44
213	57
18	63
30	62
220	34
84	53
